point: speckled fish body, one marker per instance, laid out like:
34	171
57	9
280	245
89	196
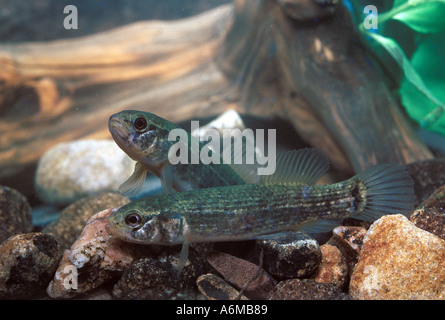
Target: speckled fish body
247	211
144	137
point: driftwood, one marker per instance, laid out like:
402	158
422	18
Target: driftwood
262	58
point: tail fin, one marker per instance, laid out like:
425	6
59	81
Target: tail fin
388	189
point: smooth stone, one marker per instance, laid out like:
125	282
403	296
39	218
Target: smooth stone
27	264
70	171
15	213
399	261
306	289
239	273
215	288
68	226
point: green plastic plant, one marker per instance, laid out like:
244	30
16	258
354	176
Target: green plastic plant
422	84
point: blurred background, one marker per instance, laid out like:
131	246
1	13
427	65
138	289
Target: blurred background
40	20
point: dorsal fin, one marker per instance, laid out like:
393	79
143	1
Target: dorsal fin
298	167
247	172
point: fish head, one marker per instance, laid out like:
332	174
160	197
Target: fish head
147	226
143	136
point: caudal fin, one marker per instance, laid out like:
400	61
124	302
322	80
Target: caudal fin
388	189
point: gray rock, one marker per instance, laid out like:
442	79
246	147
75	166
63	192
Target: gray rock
294	255
68	226
157	279
27	264
15	213
306	289
70	171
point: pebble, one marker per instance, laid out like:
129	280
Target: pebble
239	272
15	213
399	261
293	255
306	289
430	216
94	258
73	170
27	264
215	288
333	268
349	240
158	279
68	226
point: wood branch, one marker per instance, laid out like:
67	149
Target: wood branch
255	57
321	79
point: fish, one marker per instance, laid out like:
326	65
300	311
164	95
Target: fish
285	201
143	136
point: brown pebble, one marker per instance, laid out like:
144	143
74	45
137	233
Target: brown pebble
333	268
215	288
349	240
399	261
71	221
95	258
239	272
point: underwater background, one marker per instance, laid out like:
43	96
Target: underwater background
317	72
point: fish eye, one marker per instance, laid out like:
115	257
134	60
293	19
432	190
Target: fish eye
133	219
140	124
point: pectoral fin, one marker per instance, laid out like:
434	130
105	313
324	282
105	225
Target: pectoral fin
134	184
184	253
166	178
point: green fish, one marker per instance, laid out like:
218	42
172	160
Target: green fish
144	137
284	201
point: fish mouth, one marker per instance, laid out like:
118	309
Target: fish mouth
117	128
114	231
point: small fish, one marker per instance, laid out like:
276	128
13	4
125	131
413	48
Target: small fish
284	201
144	137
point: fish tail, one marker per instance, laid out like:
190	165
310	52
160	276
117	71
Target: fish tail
381	190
